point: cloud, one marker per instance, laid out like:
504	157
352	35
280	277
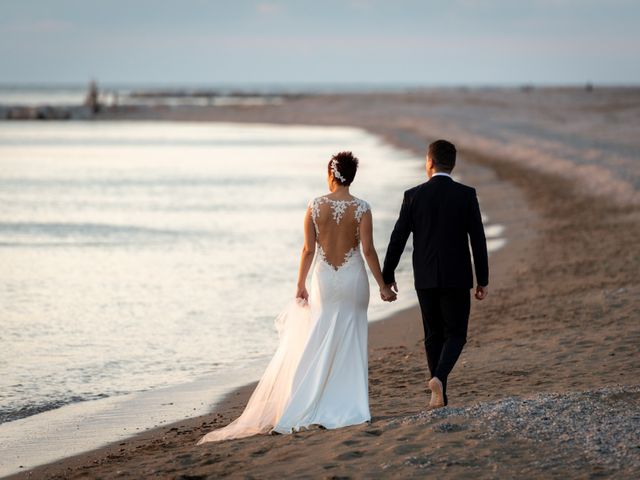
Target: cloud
361	4
46	25
269	8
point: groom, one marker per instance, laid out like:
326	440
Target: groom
443	216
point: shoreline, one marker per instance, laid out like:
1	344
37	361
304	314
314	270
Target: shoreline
226	409
383	333
536	212
53	434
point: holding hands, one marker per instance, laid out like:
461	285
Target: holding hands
389	293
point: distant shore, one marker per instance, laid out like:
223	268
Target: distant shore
562	317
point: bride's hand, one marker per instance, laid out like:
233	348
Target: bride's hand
302	293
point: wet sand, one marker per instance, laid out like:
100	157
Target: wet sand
547	385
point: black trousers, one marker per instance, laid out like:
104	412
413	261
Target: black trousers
445	317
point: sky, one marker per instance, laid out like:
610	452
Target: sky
376	42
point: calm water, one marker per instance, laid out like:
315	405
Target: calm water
140	255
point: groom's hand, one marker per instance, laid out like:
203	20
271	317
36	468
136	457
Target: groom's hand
481	292
393	286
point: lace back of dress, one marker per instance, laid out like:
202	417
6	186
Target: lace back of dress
337	224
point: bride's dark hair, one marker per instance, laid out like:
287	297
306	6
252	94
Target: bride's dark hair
346	165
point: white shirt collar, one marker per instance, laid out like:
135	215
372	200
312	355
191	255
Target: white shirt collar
441	173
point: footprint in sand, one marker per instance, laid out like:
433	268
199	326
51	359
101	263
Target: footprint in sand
210	461
404	449
259	452
350	442
352	455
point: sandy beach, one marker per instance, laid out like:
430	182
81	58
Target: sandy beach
548	385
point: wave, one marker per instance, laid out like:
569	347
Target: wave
104	231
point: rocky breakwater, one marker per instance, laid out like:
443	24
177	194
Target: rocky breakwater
44	112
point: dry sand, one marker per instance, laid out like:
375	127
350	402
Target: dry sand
547	386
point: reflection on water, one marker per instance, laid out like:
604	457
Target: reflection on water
138	255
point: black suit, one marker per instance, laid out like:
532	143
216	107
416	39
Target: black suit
444	217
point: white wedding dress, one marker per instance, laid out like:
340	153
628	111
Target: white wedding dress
319	372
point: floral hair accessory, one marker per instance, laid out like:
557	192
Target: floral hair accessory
336	173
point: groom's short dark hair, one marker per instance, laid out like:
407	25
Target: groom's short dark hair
443	155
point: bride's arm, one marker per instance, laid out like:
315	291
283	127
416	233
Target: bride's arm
371	256
306	257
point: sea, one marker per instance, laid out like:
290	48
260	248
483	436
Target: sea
146	254
145	262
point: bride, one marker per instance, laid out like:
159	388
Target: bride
318	374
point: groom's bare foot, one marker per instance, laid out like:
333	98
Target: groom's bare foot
437	396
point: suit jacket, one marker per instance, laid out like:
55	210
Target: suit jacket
443	216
